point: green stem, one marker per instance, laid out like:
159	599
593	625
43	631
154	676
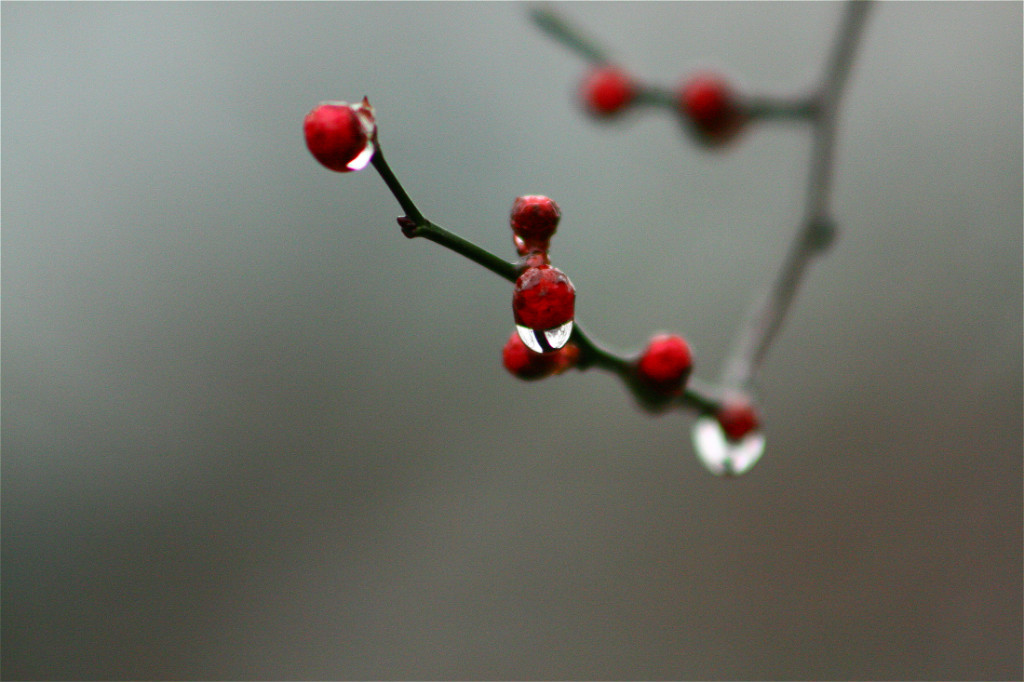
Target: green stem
464	247
593	354
411	211
413	224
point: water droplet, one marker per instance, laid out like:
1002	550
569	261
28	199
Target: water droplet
547	340
363	158
365	114
721	456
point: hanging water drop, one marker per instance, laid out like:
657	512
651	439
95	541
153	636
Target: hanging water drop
364	112
543	303
722	456
545	340
363	158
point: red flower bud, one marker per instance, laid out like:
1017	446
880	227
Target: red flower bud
738	418
341	135
534	219
607	90
710	106
665	364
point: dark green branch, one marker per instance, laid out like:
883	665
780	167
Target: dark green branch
464	247
396	187
413	224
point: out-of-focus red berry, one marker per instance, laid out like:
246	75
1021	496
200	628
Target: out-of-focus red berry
607	90
341	135
534	219
665	364
543	298
526	364
738	418
711	107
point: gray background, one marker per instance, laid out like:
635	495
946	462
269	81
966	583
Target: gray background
250	431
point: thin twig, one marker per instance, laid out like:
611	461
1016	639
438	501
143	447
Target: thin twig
407	204
413	224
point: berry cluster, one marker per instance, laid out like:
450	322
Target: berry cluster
711	110
543	300
547	340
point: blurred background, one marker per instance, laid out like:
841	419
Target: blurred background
251	432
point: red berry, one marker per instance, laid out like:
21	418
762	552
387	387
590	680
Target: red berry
543	298
666	363
607	90
738	418
341	135
711	108
534	219
526	364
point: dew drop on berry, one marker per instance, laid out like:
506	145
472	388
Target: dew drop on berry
363	158
721	456
365	115
545	340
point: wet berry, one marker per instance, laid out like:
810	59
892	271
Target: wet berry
711	108
738	418
543	298
543	303
607	90
341	135
665	364
534	219
527	364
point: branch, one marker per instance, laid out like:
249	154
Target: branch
343	137
818	230
414	224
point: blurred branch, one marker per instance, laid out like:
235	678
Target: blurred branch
818	230
561	31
